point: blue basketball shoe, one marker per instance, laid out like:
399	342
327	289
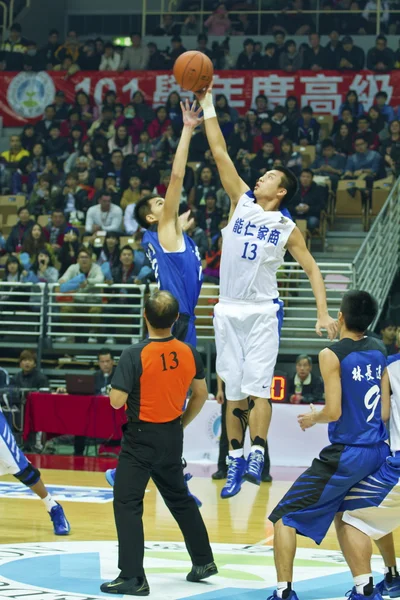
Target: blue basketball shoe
110	476
391	589
352	595
254	467
187	477
234	478
60	522
292	596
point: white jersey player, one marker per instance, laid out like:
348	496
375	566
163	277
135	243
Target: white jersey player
249	315
372	507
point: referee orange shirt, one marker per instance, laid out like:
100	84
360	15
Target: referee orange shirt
156	375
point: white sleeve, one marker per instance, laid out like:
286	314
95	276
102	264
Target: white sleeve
89	220
116	219
130	224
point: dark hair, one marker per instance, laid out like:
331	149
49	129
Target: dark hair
54	32
307	171
381	37
288	182
304	357
126	247
28	355
327	144
142	209
117	151
104	351
35	266
136	33
85	250
307	110
21	208
386	323
16	27
363	118
359	309
279	32
12	260
161	309
202	36
381	94
32	246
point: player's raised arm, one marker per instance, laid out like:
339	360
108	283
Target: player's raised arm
169	225
234	186
298	249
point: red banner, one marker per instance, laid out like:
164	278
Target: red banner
24	96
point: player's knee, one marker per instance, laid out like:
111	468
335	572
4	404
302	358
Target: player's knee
29	476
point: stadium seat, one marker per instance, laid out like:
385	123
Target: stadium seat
307	154
347	206
12	220
43	220
379	197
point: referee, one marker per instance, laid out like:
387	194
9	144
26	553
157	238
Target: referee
153	378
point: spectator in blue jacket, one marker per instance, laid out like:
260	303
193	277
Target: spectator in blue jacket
307	128
386	111
330	163
363	161
353	104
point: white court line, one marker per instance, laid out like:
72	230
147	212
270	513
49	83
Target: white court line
263	542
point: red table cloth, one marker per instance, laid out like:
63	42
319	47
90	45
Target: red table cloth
67	414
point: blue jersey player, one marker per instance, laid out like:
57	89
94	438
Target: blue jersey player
174	256
14	462
352	370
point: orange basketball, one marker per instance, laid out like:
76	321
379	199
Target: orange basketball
193	71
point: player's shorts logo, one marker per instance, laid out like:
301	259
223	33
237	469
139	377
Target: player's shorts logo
29	93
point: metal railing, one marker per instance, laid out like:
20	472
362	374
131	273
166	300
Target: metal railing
377	261
22	313
111	311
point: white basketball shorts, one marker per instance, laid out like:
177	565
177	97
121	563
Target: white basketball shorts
247	343
373	505
12	459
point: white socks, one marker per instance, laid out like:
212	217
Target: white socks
257	449
236	453
364	583
49	502
283	589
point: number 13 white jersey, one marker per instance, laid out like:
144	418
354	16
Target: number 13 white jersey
394	423
253	249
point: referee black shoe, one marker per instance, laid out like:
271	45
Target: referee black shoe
134	586
199	573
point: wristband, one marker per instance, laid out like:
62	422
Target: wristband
208	107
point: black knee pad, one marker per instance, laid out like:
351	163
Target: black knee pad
29	476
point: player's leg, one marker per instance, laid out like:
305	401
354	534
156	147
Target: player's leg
357	550
260	413
230	358
391	582
284	553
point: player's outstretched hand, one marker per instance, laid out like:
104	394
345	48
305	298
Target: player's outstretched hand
307	421
191	114
201	94
329	324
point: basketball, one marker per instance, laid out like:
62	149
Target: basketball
193	71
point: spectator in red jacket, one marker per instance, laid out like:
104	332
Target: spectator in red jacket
55	231
266	136
159	124
132	122
74	119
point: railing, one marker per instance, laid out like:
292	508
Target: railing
22	313
112	312
377	261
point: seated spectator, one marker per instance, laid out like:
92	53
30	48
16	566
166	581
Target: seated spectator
13	273
206	184
16	152
42	128
279	41
146	170
33	243
41	200
392	142
267	135
110	186
315	58
111	60
261	106
83	105
348	119
24	177
386	111
334	46
290	59
48	51
388	336
82	156
69	49
350	57
363	128
209	216
76	198
76	139
168	26
158	126
370	11
143	110
69	250
42	270
240	139
352	103
38	158
202	41
19	231
55	231
132	194
108	254
62	108
353	23
145	144
161	188
246	171
173	108
290	158
56	146
67	66
222	106
280	123
380	58
292	112
330	164
104	375
377	123
117	161
252	123
191	25
263	160
304	387
29	377
364	161
104	126
198	235
167	144
295	22
270	58
307	129
219	22
15	48
121	141
177	50
309	201
5	178
80	281
157	59
213	262
104	216
136	56
132	122
248	59
28	137
74	119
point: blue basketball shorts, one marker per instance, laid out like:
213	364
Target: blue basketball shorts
314	499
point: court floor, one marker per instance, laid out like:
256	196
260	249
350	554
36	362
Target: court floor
71	568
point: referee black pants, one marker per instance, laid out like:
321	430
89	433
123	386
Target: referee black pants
154	450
